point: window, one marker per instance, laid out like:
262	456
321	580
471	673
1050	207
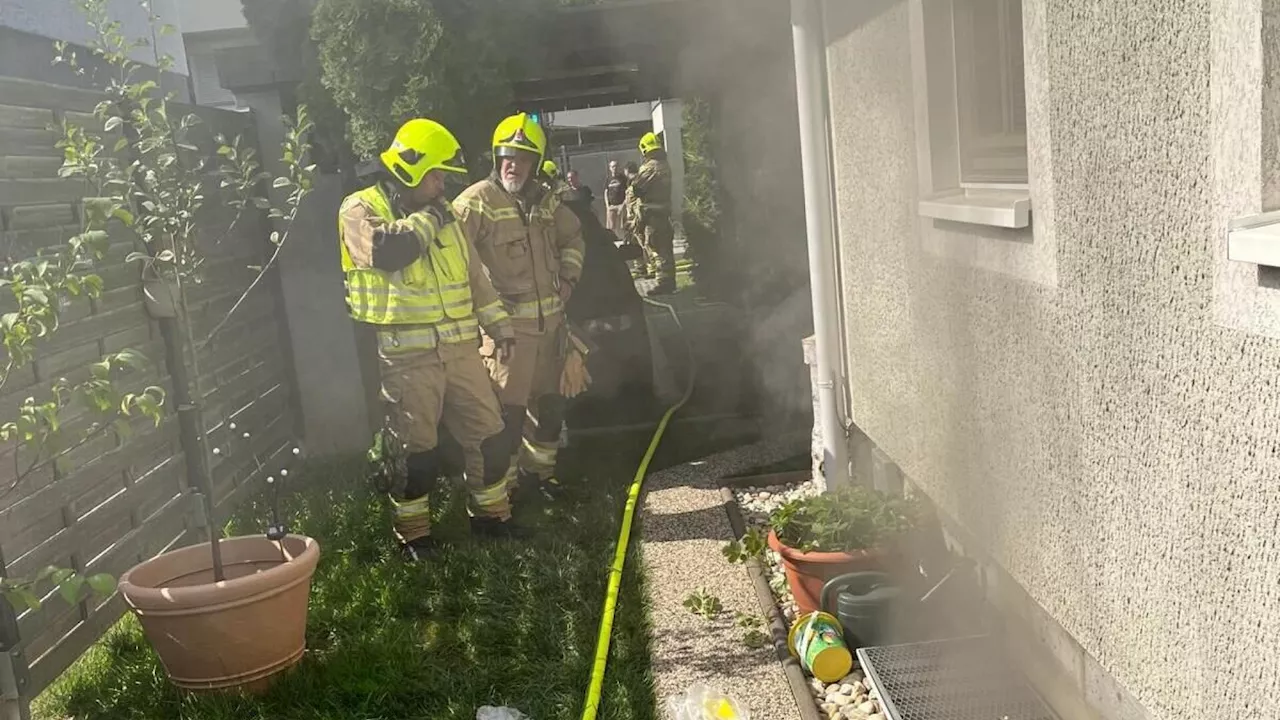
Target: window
991	92
970	74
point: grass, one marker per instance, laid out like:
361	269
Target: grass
485	623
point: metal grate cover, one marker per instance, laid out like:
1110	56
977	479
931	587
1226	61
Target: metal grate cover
961	679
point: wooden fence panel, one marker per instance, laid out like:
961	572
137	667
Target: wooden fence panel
113	502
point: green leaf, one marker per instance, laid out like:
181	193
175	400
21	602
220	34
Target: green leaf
25	596
121	144
70	589
59	575
123	216
280	182
102	583
136	256
101	370
112	123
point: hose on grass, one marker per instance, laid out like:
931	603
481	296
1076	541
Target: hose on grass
624	535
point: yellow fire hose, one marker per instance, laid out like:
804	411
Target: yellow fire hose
624	536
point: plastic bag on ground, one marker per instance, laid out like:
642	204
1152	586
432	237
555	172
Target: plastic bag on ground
701	702
489	712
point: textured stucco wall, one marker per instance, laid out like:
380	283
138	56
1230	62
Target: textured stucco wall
1107	435
61	20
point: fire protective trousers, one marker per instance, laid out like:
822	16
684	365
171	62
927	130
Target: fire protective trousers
530	381
659	241
448	384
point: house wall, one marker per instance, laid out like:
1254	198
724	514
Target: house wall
1095	400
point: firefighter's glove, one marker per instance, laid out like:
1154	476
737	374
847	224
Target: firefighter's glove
504	349
575	379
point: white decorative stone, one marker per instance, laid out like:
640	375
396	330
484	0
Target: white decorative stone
875	716
847	689
867	707
841	700
849	712
830	708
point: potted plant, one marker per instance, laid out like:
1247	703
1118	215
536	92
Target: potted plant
237	624
229	612
823	536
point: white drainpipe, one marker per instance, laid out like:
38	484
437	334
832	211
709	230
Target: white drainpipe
815	156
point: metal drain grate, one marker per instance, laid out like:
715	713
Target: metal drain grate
960	679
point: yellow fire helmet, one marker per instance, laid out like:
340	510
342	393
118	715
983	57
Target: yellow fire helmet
519	133
550	169
421	146
649	142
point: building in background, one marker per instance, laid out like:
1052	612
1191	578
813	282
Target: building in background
208	28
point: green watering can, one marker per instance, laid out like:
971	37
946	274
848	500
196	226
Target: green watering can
865	604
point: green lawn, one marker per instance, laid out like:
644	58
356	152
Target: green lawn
487	622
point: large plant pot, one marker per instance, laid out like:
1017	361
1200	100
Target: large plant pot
239	633
808	572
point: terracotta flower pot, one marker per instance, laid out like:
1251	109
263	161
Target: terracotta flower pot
239	633
807	572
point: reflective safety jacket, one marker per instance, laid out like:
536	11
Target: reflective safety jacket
528	246
652	187
440	297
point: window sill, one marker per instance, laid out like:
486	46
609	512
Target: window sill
1255	239
998	208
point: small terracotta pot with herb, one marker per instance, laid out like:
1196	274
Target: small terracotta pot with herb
821	537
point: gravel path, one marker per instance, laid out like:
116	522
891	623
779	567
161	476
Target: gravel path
683	529
851	698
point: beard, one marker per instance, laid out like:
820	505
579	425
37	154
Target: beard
512	186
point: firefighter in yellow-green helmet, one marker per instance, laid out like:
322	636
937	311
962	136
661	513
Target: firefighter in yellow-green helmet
551	177
412	274
651	212
533	249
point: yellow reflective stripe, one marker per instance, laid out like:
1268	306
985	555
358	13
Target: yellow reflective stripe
492	314
492	213
408	340
459	330
541	453
571	256
412	509
528	310
495	494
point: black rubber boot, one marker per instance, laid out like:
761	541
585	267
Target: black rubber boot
497	529
419	550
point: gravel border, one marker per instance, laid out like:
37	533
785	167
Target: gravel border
684	525
853	697
801	690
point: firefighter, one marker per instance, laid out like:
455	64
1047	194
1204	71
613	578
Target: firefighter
412	274
652	212
551	177
532	247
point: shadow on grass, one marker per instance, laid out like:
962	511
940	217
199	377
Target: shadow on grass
483	622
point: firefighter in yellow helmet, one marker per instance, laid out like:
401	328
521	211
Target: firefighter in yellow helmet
651	210
551	177
533	249
413	275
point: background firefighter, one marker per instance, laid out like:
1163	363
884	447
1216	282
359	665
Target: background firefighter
410	271
652	212
532	247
